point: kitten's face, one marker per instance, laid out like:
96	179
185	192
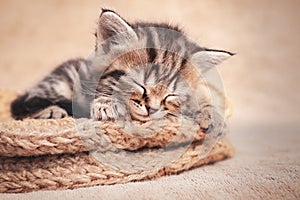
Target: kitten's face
152	68
153	92
155	101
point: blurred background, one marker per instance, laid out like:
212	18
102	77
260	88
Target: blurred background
262	80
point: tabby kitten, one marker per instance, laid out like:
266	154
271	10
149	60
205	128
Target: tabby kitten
142	71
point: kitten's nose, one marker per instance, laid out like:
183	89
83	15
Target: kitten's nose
152	110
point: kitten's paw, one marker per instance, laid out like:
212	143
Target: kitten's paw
104	108
52	112
210	120
205	117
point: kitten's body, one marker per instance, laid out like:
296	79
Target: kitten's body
141	71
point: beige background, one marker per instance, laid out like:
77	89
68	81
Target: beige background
38	35
262	79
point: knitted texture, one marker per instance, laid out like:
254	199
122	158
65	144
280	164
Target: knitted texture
72	153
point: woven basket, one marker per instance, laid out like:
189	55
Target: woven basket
72	153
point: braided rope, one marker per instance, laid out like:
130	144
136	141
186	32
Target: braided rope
52	154
40	137
79	170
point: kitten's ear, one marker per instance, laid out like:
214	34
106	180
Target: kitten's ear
111	24
207	58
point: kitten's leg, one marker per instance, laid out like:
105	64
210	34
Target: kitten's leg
52	97
35	106
106	108
51	112
108	103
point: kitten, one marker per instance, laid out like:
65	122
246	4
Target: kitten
143	71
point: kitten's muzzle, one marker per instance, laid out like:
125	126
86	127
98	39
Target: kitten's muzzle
152	110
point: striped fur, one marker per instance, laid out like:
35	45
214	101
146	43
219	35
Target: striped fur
140	71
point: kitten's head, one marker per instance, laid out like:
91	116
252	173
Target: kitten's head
158	67
154	91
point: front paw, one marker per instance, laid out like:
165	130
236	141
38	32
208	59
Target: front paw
51	112
105	108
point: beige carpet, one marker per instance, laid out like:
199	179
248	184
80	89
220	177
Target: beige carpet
262	80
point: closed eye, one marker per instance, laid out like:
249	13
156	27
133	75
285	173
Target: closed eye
143	88
169	97
172	102
136	101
